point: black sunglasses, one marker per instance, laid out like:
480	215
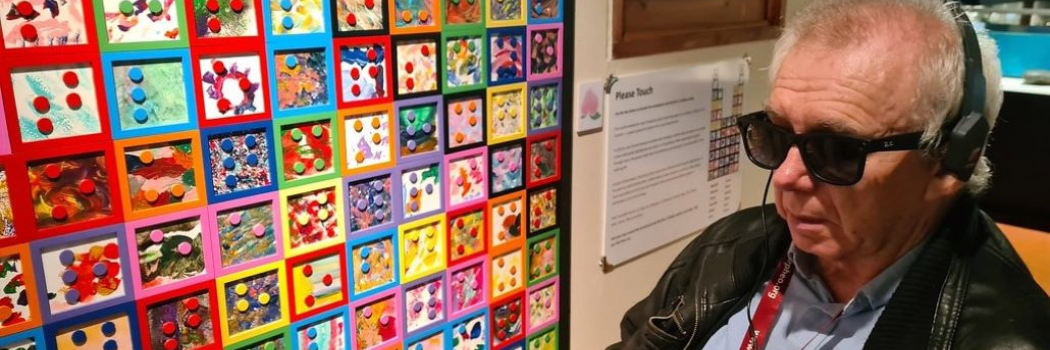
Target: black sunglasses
832	158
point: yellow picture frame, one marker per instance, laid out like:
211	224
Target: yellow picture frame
414	235
282	286
496	110
335	212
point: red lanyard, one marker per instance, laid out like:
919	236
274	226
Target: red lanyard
762	322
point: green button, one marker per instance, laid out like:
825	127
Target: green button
269	346
155	7
297	134
299	167
317	130
126	7
457	47
470	45
455	2
319	164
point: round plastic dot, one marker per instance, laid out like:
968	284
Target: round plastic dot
126	7
171	344
423	15
414	192
227	145
66	257
425	50
411	145
351	19
192	304
151	196
244	84
109	329
384	320
86	187
251	141
317	131
155	7
287	22
378	201
240	289
258	230
41	104
29	32
327	280
373	71
45	126
53	171
79	337
296	134
213	6
69	277
372	55
299	167
362	204
242	305
72	297
414	207
229	163
168	328
303	219
411	130
413	178
319	164
313	346
410	84
291	61
356	90
380	215
270	346
253	159
365	268
432	314
141	116
70	79
99	269
310	300
409	67
231	181
135	74
214	25
185	248
237	5
223	105
323	214
219	67
193	321
156	236
430	189
286	5
311	333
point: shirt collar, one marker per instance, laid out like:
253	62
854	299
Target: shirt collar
873	295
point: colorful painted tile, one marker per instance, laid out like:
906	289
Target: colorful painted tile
507	275
506	216
414	16
424	303
225	19
364	70
543	205
231	86
545	51
129	22
368	138
7	215
434	341
465	121
301	77
149	94
297	17
419	126
19	309
423	247
376	321
544	154
463	12
506	113
470	333
466	233
544	340
246	232
313	217
545	10
465	60
160	173
32	339
542	306
324	332
239	160
317	281
45	24
117	329
169	250
252	302
373	263
56	103
417	64
506	12
360	16
184	321
506	55
307	149
372	203
544	106
507	168
421	189
72	189
468	287
81	272
467	181
508	320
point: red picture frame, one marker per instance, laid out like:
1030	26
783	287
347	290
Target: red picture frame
142	308
232	49
290	263
383	40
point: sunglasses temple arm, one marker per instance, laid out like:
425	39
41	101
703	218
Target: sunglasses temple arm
902	142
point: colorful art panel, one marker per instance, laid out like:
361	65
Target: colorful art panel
544	340
463	13
414	16
544	106
81	273
246	233
544	155
466	233
507	170
375	321
171	251
313	215
506	219
301	80
364	71
41	25
373	263
466	182
427	341
372	203
425	302
125	25
541	304
507	318
32	339
423	247
543	209
230	85
507	273
506	54
116	327
506	113
465	61
464	120
252	302
421	189
318	282
274	340
181	320
545	11
419	125
295	20
215	22
545	51
468	287
149	93
11	231
69	192
308	151
542	257
417	61
54	100
368	138
359	17
327	331
240	160
19	308
469	333
503	13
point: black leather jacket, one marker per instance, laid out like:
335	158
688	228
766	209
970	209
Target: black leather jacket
967	290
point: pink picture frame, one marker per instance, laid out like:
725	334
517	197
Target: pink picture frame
201	215
215	211
398	302
451	178
530	299
483	287
559	50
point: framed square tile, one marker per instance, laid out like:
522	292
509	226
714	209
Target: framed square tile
543	209
326	331
70	189
280	339
457	14
543	256
296	21
71	31
417	59
240	160
466	178
506	54
505	13
113	327
312	217
466	233
308	151
542	305
468	287
543	152
246	233
81	273
14	202
469	332
162	174
222	22
506	220
507	168
318	282
507	319
545	50
302	81
431	340
425	302
231	84
123	25
544	106
466	66
408	16
367	138
373	202
359	17
182	319
149	93
507	268
365	71
374	321
465	120
420	181
546	339
252	302
506	113
546	11
373	263
19	296
25	340
419	127
423	247
169	252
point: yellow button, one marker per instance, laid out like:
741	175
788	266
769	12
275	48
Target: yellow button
242	305
264	298
151	196
322	198
303	219
513	112
241	289
376	139
360	158
376	123
178	190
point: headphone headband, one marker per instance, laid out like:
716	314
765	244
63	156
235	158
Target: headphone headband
965	135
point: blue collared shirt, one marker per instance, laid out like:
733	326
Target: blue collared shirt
807	315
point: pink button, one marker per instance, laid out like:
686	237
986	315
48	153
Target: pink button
235	219
185	248
156	236
258	230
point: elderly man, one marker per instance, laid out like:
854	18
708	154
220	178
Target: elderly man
873	132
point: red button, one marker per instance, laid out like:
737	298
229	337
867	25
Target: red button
59	213
502	323
370	4
409	67
460	249
410	84
355	73
513	308
168	328
87	187
41	104
71	79
193	321
214	25
351	19
245	84
425	50
356	90
219	68
327	280
501	335
308	270
460	224
213	6
192	304
513	317
473	231
28	32
53	171
25	8
309	300
171	344
73	101
371	55
237	5
373	71
223	105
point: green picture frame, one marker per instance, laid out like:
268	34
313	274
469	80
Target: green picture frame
332	168
101	27
480	40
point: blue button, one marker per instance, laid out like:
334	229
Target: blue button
287	22
79	337
69	277
311	333
313	346
231	181
250	141
109	329
72	297
253	159
291	61
66	257
229	163
110	345
286	5
135	74
365	252
227	145
140	115
99	269
365	267
138	95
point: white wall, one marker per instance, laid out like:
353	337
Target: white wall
599	299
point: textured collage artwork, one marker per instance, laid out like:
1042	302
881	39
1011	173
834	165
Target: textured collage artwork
281	174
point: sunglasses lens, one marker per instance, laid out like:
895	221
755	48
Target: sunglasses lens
766	145
836	160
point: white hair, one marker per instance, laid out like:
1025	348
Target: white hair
940	83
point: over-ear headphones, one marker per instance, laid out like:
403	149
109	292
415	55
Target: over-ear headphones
963	138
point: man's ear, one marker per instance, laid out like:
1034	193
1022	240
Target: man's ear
943	184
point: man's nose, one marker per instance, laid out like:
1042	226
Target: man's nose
792	174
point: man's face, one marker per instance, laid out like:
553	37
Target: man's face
865	91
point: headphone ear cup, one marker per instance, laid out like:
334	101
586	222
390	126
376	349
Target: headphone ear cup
964	145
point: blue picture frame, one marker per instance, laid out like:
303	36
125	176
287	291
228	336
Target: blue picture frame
353	271
114	59
451	327
307	322
207	134
34	334
556	19
522	43
394	203
127	309
330	69
317	39
424	335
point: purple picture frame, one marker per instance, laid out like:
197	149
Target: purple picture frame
133	255
450	273
483	152
529	47
395	204
214	210
541	83
439	119
38	248
414	164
